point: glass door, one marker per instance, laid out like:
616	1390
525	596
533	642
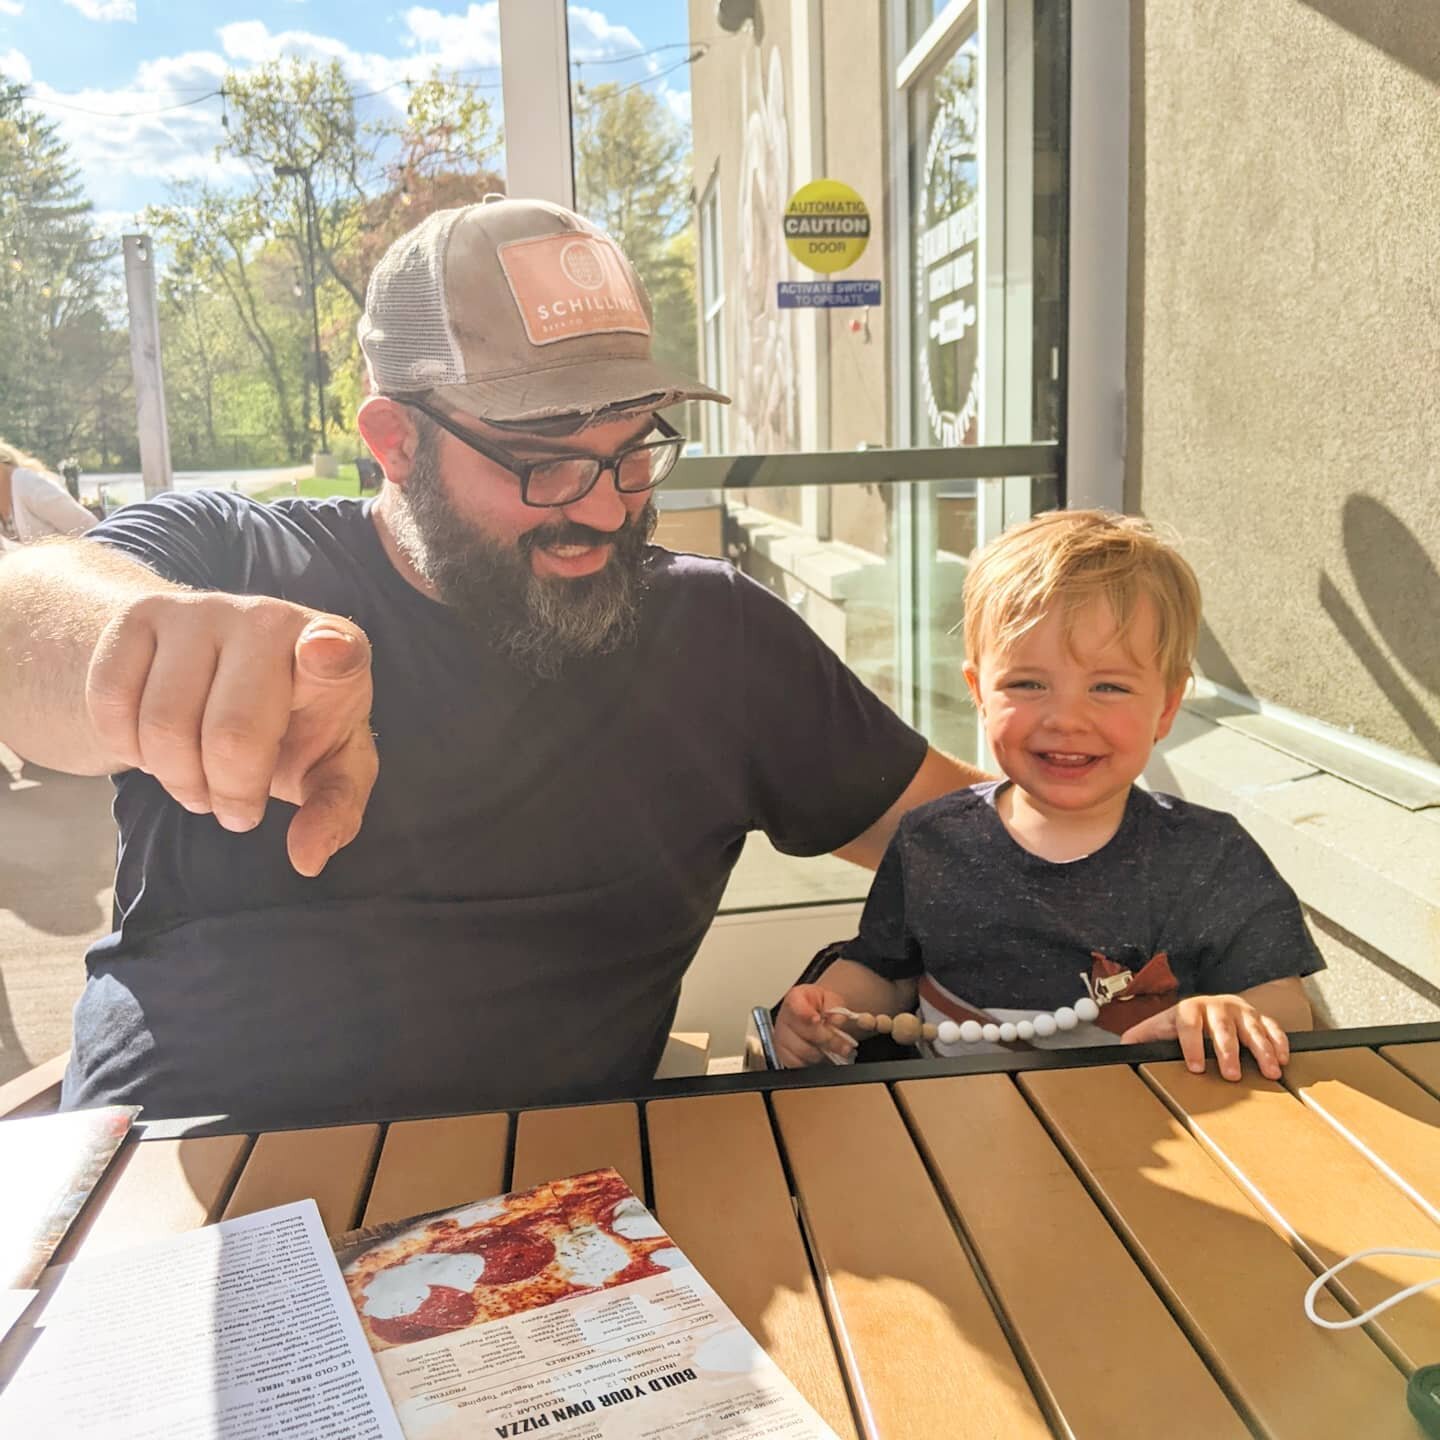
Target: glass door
850	218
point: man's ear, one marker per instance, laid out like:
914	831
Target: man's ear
388	429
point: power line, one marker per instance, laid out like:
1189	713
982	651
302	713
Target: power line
697	54
198	97
634	54
29	93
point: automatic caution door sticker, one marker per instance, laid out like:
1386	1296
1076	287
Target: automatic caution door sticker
827	226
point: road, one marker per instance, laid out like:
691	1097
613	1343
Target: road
124	488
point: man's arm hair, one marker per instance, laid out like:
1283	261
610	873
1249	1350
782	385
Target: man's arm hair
56	598
938	775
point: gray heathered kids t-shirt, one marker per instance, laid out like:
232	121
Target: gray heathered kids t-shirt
1181	897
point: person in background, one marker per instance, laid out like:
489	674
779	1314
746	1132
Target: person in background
70	473
33	502
1014	906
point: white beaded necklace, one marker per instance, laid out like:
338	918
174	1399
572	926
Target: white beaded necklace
910	1030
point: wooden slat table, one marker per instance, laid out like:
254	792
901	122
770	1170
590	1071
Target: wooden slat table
1085	1244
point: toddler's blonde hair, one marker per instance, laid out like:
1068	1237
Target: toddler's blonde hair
1070	558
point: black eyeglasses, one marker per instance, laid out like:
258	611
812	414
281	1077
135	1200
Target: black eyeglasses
567	479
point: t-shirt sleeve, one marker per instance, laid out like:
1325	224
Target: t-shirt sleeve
1254	929
51	503
827	756
885	944
202	539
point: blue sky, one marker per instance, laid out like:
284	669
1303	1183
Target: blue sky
114	74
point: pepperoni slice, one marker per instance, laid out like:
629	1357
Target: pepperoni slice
443	1309
513	1255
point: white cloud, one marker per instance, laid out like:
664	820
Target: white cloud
115	223
679	103
459	42
104	9
119	136
160	127
14	66
11	7
593	37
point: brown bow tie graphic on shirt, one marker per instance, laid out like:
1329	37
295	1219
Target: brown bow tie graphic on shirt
1131	996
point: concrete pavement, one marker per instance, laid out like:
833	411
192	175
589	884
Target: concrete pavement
57	861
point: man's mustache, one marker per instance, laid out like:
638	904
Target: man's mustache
568	532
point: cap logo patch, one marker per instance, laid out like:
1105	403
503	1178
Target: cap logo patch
568	285
580	262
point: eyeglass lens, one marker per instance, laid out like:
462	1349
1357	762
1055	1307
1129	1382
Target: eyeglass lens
555	482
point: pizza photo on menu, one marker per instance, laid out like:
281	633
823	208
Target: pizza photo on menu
444	1272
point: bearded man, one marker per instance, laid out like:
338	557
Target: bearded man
555	734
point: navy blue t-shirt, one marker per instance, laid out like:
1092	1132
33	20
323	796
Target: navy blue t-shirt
1181	897
538	863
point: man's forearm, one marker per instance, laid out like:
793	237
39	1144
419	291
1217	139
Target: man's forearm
56	598
938	775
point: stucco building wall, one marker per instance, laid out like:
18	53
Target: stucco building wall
1284	343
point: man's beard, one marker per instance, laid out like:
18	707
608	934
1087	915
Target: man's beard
539	622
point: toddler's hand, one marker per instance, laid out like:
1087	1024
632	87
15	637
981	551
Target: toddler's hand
1230	1021
805	1034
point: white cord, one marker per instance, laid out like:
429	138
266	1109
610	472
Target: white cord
1374	1310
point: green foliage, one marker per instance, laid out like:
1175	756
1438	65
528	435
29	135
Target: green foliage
346	484
241	268
64	371
632	178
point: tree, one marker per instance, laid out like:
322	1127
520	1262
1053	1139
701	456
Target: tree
219	242
346	188
54	291
632	178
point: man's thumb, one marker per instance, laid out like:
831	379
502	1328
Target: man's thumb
327	649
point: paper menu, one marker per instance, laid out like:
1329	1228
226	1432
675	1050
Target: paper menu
565	1310
50	1164
239	1331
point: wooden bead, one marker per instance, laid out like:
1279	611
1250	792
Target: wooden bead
930	1032
906	1029
882	1024
864	1022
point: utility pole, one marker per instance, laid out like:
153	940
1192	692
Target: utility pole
145	363
307	200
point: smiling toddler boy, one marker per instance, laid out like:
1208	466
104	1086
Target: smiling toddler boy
1011	899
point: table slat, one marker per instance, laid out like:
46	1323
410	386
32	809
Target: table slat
720	1191
551	1144
1032	1225
436	1164
1390	1118
156	1188
1317	1190
330	1166
924	1352
1420	1061
1236	1286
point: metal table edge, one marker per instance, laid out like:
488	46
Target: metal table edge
769	1081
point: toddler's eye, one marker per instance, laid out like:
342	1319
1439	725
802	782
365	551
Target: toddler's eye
1022	685
1111	688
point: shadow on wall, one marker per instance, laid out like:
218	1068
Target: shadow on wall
1399	587
1215	663
1409	34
